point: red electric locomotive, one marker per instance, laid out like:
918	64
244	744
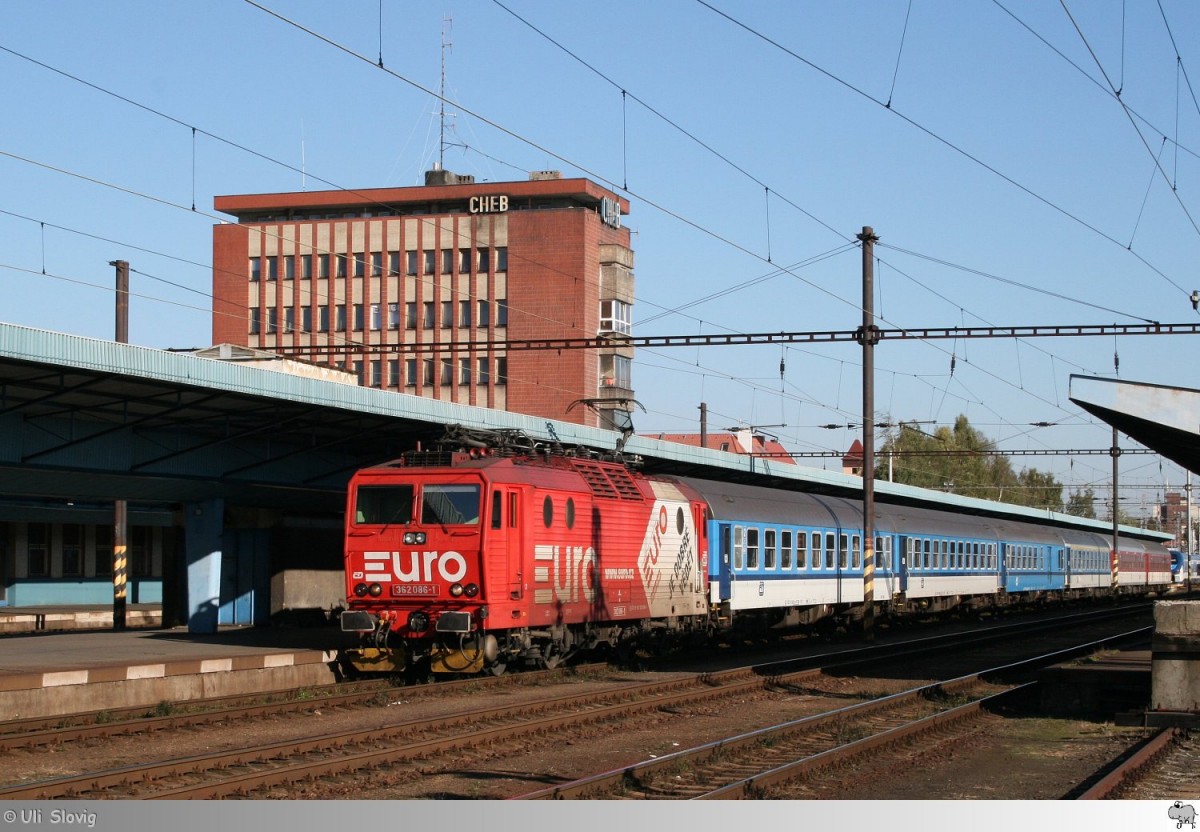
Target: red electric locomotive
467	561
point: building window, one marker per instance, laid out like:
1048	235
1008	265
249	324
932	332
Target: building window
502	370
411	262
289	267
37	547
376	373
447	372
393	263
357	368
410	315
410	372
289	319
255	269
360	264
447	314
255	320
376	316
376	263
447	260
464	261
341	265
430	259
464	371
616	316
339	318
501	313
322	266
427	314
323	319
306	319
306	266
616	371
393	372
427	370
464	313
272	321
485	256
104	550
141	551
72	550
358	316
393	316
272	268
502	258
484	309
483	375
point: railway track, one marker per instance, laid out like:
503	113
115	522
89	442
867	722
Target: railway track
1165	767
324	764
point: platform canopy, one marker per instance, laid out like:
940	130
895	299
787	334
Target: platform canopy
1164	419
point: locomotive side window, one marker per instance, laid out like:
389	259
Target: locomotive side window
450	504
570	512
497	510
548	511
751	548
381	504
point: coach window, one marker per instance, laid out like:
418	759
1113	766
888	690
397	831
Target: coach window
739	547
801	550
883	552
856	552
928	550
751	548
570	510
769	549
785	550
547	512
830	545
843	550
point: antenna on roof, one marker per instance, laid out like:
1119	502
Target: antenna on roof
447	24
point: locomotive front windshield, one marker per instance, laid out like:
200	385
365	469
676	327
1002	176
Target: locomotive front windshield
383	504
447	504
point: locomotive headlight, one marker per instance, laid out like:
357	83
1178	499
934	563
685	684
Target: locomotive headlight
375	590
456	590
411	538
418	622
471	590
360	590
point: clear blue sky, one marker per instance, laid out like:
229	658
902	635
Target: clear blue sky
1005	162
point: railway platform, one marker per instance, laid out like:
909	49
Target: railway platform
73	663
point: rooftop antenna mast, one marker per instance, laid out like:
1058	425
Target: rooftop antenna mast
447	25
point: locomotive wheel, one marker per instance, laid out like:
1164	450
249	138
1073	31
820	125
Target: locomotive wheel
498	668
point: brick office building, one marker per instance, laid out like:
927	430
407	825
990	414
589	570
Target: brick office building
407	287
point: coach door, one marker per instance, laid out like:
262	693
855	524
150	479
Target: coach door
724	559
504	541
902	561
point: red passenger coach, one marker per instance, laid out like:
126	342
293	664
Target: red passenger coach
464	562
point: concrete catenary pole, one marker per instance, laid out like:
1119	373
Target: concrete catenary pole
120	508
868	336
